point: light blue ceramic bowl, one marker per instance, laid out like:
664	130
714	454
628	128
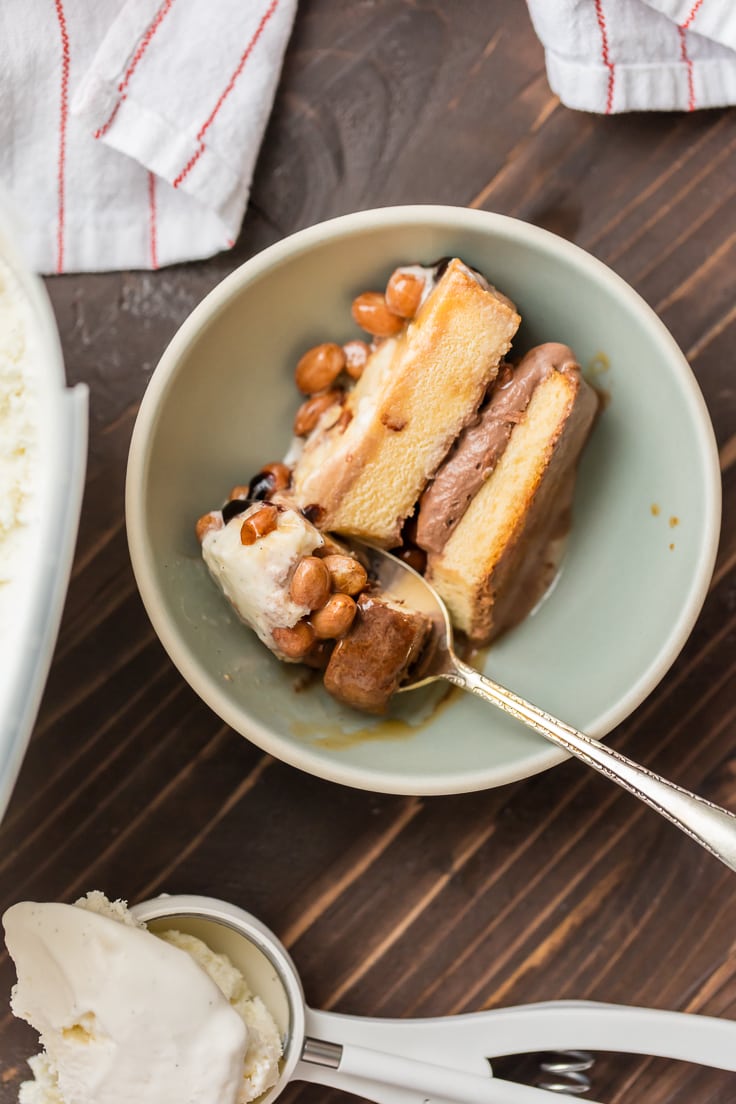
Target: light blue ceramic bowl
646	521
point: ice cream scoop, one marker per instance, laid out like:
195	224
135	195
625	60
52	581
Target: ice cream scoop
428	1061
709	825
190	1055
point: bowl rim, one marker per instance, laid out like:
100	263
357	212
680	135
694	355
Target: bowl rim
304	756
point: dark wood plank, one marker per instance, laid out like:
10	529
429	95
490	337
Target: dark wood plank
557	887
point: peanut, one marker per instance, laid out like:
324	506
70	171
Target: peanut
279	475
335	618
403	292
310	583
356	357
319	654
348	576
241	491
259	524
319	367
296	641
310	412
207	524
271	478
372	314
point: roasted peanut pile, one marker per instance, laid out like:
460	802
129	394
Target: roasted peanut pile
380	314
328	584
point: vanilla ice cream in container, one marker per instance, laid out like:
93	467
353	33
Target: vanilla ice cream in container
19	441
43	439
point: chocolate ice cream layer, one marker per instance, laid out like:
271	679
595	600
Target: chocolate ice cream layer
480	446
368	665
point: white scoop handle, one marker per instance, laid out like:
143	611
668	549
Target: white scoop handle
394	1062
442	1060
468	1042
448	1058
367	1089
588	1025
392	1079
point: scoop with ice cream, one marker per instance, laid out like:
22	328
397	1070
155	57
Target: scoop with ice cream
443	1059
125	1016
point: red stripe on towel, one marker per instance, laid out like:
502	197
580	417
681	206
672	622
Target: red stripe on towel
224	95
142	47
63	117
693	12
605	55
152	232
688	62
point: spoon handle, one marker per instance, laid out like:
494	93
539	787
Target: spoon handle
711	826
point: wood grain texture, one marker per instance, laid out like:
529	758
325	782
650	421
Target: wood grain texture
557	887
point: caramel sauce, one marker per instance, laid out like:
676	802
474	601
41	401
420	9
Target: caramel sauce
597	366
673	520
335	738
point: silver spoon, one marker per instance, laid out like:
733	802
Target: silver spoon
711	826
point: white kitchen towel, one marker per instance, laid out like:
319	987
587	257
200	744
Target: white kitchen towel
129	134
639	55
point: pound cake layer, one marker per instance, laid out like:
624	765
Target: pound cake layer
416	394
487	571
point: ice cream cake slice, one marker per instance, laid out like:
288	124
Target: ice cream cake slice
367	460
502	494
428	443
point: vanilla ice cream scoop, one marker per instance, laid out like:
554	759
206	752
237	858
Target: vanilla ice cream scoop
124	1016
256	578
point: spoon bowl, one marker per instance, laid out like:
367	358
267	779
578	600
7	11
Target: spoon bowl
709	825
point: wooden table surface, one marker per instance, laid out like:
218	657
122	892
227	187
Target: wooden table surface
557	887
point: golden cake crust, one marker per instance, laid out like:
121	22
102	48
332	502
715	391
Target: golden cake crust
415	395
